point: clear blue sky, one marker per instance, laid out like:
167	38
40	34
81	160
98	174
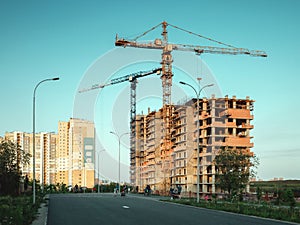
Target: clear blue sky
64	38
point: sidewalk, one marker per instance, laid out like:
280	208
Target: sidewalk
42	213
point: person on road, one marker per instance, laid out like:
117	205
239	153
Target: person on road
179	188
147	190
76	188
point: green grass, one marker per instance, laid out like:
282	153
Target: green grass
260	210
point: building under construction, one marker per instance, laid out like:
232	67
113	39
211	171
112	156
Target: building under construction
223	122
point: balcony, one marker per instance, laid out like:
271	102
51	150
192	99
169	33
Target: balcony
180	148
230	124
178	124
238	141
237	113
246	126
217	124
150	156
150	142
217	143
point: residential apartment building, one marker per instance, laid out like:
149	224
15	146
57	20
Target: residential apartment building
67	157
76	153
45	148
62	153
223	122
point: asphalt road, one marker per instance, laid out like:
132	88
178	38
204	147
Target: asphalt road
82	209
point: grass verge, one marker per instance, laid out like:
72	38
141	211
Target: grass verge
261	210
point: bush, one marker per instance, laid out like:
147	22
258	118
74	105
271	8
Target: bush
18	210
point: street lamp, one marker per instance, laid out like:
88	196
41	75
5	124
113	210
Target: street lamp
33	133
198	131
119	138
99	168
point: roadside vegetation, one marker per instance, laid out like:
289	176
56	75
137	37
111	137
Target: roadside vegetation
16	205
275	200
269	199
262	209
16	201
18	210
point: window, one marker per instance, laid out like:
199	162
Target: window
209	159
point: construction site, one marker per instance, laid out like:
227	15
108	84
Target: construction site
223	122
177	144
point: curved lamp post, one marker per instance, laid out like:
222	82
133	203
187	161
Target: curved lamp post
119	139
198	132
33	133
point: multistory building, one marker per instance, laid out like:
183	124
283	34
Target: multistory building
152	170
62	153
137	158
76	153
183	157
223	122
45	148
66	158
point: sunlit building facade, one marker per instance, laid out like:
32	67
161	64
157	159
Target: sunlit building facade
45	149
223	123
75	156
65	158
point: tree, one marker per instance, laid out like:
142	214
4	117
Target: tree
11	156
290	198
234	167
258	193
285	196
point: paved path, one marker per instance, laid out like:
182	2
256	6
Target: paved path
42	213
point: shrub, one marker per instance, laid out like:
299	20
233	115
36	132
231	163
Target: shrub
18	210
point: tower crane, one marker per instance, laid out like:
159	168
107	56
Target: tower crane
166	62
132	78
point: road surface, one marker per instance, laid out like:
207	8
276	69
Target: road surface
105	209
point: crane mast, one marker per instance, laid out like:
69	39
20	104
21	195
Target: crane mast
167	110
